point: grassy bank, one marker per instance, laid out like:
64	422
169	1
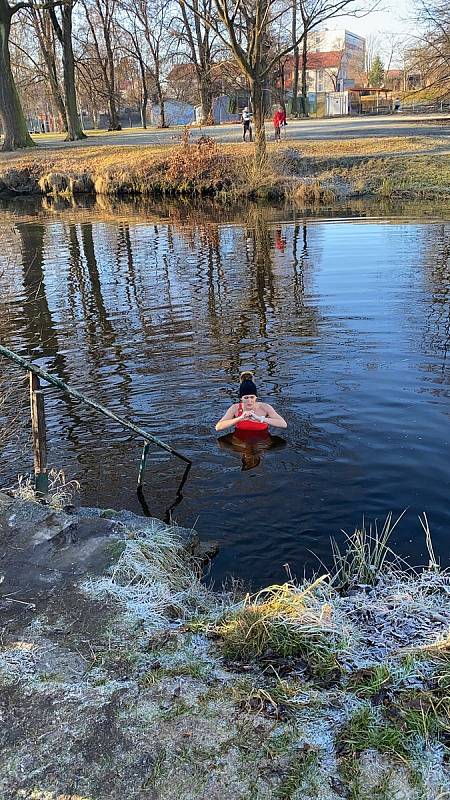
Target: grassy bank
307	172
143	683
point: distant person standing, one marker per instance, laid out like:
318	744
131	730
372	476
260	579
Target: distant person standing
247	123
279	119
397	104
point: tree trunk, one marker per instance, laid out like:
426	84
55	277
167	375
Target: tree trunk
304	81
74	129
64	34
296	54
11	114
57	97
43	26
206	100
144	93
162	115
114	122
260	158
144	109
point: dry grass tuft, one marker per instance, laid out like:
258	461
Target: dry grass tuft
284	620
60	491
312	193
365	556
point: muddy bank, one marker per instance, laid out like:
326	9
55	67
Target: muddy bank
122	675
303	173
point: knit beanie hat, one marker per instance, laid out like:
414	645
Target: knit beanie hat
247	387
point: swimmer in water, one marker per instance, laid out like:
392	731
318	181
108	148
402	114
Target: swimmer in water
249	414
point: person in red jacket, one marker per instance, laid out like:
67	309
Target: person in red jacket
279	119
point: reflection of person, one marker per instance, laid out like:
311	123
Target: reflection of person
246	121
280	243
250	445
249	414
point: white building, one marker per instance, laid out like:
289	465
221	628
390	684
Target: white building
351	47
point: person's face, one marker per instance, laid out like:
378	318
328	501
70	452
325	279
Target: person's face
248	401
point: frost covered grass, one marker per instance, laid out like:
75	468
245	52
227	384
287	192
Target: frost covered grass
60	491
155	578
332	692
365	554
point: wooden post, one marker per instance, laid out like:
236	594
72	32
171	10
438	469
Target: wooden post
39	435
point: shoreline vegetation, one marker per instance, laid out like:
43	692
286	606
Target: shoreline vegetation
302	172
135	679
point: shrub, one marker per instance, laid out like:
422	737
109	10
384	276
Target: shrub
198	165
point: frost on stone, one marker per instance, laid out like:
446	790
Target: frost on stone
154	578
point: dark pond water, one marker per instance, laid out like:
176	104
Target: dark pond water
153	311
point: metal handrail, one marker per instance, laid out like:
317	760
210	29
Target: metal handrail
148	437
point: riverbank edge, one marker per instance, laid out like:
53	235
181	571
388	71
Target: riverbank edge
206	169
141	682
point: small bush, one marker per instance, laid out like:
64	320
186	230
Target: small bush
198	164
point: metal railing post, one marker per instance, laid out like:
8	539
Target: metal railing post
38	435
142	464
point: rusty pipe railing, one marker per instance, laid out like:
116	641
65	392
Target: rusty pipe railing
38	419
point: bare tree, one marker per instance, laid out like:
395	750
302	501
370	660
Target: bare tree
246	26
245	29
391	48
11	114
45	34
197	37
432	54
62	26
313	14
101	19
152	21
133	45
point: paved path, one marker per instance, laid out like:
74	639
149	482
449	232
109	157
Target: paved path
337	128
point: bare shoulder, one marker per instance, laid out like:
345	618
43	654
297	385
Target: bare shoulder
267	407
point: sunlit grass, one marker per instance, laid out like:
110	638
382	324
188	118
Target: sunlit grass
286	621
308	172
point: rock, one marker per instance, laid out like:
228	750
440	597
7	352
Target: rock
30	523
43	550
203	551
